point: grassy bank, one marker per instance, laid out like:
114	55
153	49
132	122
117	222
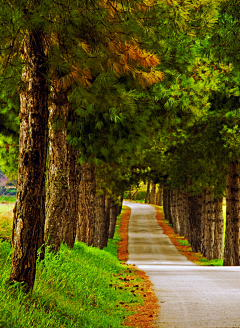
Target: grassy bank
80	287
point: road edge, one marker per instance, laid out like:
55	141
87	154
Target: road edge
147	312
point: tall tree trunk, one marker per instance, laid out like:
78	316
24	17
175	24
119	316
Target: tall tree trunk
101	225
87	193
180	211
57	194
204	222
174	213
29	210
186	223
210	226
70	224
169	207
160	196
153	194
147	194
165	203
195	212
113	218
231	252
218	233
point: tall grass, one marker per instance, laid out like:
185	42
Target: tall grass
6	219
77	288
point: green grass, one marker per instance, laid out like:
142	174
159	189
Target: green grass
6	218
215	262
183	242
8	199
77	288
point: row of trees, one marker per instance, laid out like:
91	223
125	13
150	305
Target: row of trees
110	93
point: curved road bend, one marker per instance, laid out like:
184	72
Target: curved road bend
190	296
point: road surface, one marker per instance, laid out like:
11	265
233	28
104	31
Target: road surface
190	296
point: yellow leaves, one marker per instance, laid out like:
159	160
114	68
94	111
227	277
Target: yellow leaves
131	59
132	53
149	78
78	74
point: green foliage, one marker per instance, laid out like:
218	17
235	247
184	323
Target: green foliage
71	290
183	242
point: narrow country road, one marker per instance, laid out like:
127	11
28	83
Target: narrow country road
190	296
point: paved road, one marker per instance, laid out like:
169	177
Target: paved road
190	295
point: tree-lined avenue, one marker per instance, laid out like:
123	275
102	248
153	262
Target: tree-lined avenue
189	295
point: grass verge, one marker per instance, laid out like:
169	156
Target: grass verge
181	243
79	287
8	199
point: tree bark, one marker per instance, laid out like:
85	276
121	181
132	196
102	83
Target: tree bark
210	226
231	252
169	207
218	233
113	218
153	194
180	210
57	194
174	210
70	223
101	223
29	210
195	213
87	193
160	196
147	194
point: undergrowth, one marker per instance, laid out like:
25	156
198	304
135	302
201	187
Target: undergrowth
79	287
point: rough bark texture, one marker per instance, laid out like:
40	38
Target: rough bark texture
165	199
231	251
174	210
210	225
195	213
186	222
113	217
57	193
70	223
204	219
87	194
147	194
153	194
29	210
101	224
180	210
218	233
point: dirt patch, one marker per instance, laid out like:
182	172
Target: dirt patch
169	231
146	313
